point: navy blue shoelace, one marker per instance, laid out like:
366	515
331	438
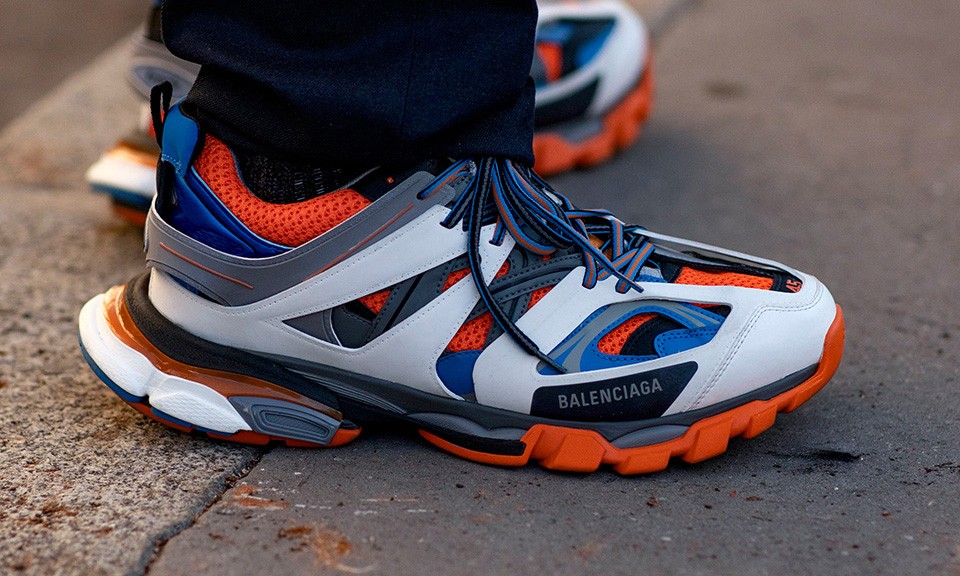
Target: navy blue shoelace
540	220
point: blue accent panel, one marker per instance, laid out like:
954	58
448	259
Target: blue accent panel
555	33
560	358
180	136
676	341
670	342
173	420
589	50
135	201
649	278
198	212
127	397
585	322
456	371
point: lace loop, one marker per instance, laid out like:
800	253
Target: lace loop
540	220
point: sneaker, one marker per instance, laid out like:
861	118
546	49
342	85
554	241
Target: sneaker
591	67
127	172
465	298
594	81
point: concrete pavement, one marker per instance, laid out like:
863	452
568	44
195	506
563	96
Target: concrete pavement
823	135
43	42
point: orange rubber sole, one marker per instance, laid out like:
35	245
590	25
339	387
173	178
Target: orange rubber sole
131	215
576	450
621	127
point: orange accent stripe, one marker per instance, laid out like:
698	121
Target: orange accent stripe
357	246
702	278
204	268
577	450
132	216
376	301
226	383
449	179
613	341
552	56
127	153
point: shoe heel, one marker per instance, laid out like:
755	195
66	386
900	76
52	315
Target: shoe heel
223	405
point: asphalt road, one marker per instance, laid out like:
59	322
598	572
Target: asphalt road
824	135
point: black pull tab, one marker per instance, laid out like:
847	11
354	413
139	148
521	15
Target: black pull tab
160	96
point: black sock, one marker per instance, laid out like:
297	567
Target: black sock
281	182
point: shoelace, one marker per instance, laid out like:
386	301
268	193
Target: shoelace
541	221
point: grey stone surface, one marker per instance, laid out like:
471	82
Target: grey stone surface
55	141
823	134
87	485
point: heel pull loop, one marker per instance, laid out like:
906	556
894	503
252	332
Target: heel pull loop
160	96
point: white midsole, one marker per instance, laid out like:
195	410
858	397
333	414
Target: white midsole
183	399
114	172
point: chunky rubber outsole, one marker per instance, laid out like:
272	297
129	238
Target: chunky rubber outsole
577	450
249	399
620	127
225	405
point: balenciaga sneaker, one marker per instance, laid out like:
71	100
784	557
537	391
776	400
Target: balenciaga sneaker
465	298
591	68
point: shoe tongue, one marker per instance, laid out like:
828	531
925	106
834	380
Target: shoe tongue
379	181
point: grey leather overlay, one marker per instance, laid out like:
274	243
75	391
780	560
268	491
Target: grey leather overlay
319	325
235	281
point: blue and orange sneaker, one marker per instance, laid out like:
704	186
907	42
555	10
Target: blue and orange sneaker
591	68
463	297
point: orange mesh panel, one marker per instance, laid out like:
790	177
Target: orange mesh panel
472	335
454	277
288	224
613	341
702	278
552	56
376	300
536	295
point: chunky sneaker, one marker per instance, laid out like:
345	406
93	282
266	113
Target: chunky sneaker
466	298
594	82
591	67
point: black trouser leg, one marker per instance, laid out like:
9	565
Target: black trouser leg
361	82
